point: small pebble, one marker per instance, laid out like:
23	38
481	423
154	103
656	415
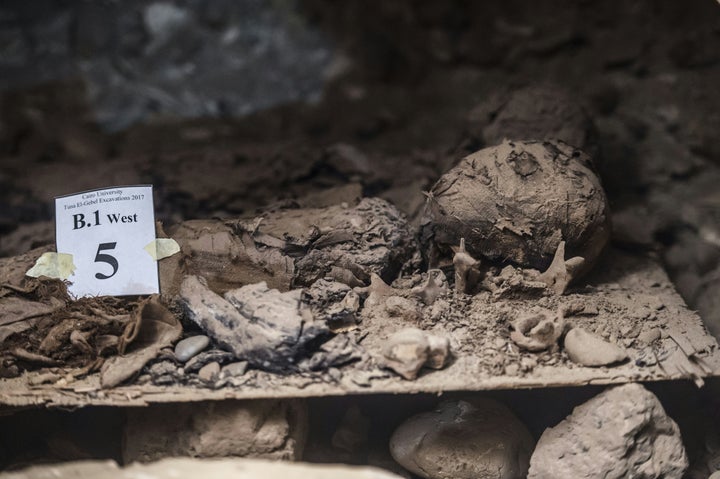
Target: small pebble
209	372
190	347
234	369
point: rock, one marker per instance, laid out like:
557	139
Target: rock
272	429
192	468
538	331
209	372
588	349
438	352
262	326
189	347
406	352
622	432
204	358
561	271
466	270
477	439
353	430
516	202
405	308
338	351
334	303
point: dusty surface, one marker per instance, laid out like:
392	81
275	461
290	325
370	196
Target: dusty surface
182	468
625	302
622	432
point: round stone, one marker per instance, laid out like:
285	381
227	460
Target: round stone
190	347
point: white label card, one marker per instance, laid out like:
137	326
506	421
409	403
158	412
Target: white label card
106	231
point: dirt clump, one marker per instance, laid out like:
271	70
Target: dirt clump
294	247
516	202
538	112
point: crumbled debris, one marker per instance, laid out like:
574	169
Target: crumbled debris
333	302
338	351
561	272
435	286
467	272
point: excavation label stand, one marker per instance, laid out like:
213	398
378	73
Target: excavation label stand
105	231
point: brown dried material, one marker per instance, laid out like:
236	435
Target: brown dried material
466	270
516	202
434	287
621	432
289	248
270	429
152	328
474	439
561	272
407	351
588	349
41	320
33	358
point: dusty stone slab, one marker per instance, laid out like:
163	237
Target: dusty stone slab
624	297
186	468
